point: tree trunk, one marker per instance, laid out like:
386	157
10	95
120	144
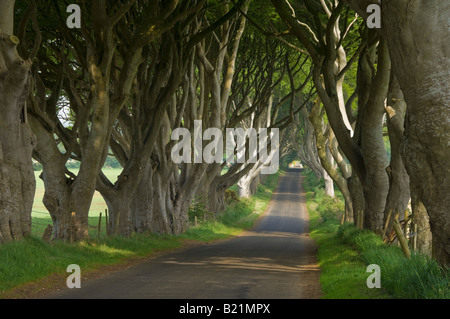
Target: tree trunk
399	193
206	189
316	120
248	185
376	182
17	182
142	204
418	36
345	168
307	151
357	196
244	187
69	222
329	183
7	16
162	216
59	199
67	197
421	220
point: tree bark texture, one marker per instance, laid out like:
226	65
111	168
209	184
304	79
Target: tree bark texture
424	242
399	192
418	34
316	119
376	182
17	182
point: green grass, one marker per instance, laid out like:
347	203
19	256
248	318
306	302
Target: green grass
419	277
41	217
98	204
345	252
238	215
32	259
343	272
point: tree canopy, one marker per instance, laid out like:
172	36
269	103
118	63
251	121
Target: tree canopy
309	79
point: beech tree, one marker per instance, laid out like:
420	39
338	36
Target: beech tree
167	94
416	33
325	46
142	126
136	71
419	157
96	67
268	79
17	183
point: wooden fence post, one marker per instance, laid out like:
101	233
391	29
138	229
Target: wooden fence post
360	219
401	238
414	236
387	223
72	227
99	224
106	221
406	222
343	217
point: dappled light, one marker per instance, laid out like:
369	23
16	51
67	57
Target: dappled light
226	142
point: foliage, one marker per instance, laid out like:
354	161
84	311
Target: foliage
198	210
345	251
329	208
343	273
231	196
33	259
419	277
37	167
112	162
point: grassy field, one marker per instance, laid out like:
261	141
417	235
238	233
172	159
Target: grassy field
30	266
41	218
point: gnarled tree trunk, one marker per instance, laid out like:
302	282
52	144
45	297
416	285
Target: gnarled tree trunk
376	183
399	193
17	182
418	36
316	119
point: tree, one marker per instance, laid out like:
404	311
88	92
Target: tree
142	125
17	183
153	193
415	32
87	68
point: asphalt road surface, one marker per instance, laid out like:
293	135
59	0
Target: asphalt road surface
275	260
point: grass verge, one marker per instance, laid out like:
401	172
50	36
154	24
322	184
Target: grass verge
345	252
33	260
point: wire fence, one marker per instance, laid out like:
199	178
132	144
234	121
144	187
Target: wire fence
98	225
41	220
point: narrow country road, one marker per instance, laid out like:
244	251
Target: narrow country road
275	260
